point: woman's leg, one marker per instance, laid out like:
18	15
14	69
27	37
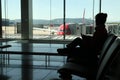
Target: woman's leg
77	41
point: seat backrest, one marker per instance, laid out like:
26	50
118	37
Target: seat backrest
112	70
114	48
107	44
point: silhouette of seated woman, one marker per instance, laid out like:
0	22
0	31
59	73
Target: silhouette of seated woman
90	46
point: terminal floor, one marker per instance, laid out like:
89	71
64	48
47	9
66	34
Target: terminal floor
36	73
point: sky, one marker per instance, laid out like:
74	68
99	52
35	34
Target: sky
52	9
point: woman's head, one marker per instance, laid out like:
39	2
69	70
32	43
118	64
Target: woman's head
100	18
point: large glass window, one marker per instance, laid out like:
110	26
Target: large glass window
113	20
11	18
49	15
80	16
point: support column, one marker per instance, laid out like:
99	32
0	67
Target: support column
27	62
26	34
26	19
100	3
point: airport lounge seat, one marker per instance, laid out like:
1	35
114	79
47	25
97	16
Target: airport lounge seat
89	72
111	70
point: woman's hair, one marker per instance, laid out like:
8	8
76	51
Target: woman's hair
101	18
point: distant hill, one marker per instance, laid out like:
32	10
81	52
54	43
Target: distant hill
56	21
